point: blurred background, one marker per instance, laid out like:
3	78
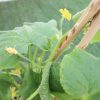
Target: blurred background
15	12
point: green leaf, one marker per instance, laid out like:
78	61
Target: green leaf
46	29
7	60
29	84
38	34
94	49
80	72
96	37
62	96
96	96
5	83
4	90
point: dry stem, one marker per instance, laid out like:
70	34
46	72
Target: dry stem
89	13
95	26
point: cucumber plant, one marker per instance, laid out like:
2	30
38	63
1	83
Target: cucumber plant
38	62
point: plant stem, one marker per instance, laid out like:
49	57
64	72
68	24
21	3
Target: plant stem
42	57
95	26
30	55
44	83
56	47
34	56
61	26
23	57
33	95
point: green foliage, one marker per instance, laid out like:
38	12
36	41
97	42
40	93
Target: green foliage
74	76
79	73
96	96
28	85
4	90
55	85
94	49
38	34
30	33
96	37
5	82
62	96
7	60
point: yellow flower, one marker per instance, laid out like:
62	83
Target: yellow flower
65	13
13	92
16	71
11	50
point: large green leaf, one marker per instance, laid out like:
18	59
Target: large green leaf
38	34
80	72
